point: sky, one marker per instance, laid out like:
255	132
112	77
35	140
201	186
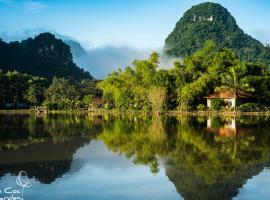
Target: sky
135	23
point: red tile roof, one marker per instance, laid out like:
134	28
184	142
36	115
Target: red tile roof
227	95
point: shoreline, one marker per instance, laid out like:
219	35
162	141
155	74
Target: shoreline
117	112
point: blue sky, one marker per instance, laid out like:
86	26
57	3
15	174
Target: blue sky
135	23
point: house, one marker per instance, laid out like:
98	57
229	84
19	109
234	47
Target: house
41	110
229	97
97	102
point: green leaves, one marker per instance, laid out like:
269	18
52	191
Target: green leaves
17	88
211	21
144	86
135	88
235	79
44	56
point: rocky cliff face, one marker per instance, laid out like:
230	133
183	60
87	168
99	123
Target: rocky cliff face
43	56
211	21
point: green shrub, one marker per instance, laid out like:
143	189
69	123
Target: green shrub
201	107
87	100
252	107
217	104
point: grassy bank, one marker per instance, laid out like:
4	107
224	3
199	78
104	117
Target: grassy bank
130	112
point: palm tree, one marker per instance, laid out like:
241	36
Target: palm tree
235	80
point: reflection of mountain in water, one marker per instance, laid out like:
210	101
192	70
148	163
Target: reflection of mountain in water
214	163
203	159
44	161
202	162
192	186
44	147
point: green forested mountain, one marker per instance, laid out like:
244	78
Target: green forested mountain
44	56
211	21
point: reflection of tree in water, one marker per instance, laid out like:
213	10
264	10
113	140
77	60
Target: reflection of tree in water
139	137
208	166
44	147
201	164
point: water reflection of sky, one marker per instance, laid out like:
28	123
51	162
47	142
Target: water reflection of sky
256	188
103	175
200	158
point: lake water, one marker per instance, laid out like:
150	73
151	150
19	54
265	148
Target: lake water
134	157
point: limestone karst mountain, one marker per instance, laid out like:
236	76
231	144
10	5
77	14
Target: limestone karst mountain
211	21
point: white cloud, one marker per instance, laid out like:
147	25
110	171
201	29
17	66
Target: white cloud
33	5
18	35
262	35
30	5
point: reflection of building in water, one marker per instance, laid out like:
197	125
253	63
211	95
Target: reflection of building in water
227	128
229	98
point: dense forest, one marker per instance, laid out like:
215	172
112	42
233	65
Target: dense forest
18	90
211	21
41	71
44	56
146	86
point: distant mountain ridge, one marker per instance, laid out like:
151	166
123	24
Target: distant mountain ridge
211	21
101	61
44	56
76	49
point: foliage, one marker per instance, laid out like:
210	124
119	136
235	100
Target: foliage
87	100
43	56
63	93
235	79
146	85
66	94
129	89
201	107
35	92
212	21
187	82
19	90
253	107
16	88
157	97
217	104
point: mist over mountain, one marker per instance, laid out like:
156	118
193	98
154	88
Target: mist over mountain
207	21
103	60
43	55
76	49
211	21
98	61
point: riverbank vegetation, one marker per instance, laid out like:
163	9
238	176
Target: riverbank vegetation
146	86
18	90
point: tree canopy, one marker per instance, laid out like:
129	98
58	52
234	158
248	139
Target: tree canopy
43	56
211	21
186	82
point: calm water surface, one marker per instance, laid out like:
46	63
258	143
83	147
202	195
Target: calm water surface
134	157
